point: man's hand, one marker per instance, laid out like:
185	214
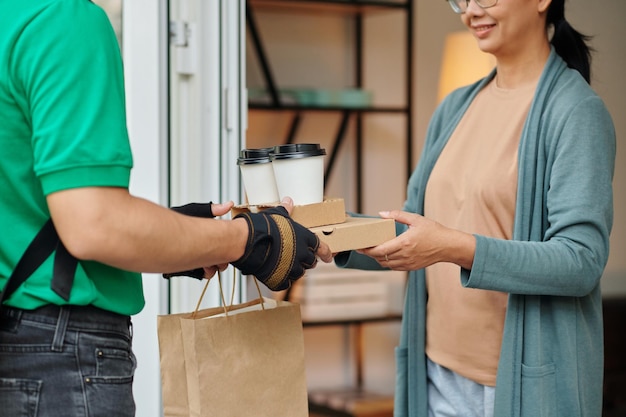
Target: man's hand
323	251
279	250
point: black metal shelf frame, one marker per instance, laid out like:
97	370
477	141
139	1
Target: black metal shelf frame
357	8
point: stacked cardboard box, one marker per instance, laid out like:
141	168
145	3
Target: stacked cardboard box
328	293
328	220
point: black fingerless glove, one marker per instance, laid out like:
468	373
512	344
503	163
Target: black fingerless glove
194	210
278	249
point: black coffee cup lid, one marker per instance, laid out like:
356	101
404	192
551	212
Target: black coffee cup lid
297	150
254	156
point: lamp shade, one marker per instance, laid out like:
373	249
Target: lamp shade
463	63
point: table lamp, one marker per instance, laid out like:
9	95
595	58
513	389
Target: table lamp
463	63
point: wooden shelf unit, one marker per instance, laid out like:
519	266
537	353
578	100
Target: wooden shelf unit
353	9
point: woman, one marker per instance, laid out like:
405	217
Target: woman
506	230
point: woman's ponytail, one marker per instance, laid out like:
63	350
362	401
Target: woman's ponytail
570	44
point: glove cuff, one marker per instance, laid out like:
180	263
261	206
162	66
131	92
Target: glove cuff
270	251
195	210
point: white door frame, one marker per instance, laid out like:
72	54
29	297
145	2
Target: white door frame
197	154
208	117
145	41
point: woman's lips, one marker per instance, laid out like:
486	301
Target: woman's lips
482	30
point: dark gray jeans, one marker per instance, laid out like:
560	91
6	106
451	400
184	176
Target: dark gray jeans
65	361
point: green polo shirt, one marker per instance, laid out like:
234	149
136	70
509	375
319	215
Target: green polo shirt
62	126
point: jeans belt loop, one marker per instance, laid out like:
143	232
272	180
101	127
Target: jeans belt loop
61	328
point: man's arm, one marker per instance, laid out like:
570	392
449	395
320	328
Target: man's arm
110	226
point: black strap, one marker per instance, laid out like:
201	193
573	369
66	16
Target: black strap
41	247
64	269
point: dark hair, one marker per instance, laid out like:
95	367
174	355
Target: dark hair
570	44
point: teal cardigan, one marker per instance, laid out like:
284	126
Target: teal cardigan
551	362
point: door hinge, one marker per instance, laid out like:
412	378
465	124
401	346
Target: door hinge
183	39
179	33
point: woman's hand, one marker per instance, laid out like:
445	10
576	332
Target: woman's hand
426	242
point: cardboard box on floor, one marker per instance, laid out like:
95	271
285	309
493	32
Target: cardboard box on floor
328	293
329	222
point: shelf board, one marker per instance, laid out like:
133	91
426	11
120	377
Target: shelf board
343	322
296	107
352	402
334	6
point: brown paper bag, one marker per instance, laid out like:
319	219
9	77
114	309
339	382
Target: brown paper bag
246	364
172	355
236	361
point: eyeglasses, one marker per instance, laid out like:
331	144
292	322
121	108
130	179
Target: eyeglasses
459	6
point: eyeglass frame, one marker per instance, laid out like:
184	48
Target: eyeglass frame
454	4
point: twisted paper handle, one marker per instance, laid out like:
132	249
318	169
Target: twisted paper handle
232	295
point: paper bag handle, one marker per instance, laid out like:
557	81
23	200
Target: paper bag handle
232	295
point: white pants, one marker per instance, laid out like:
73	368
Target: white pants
451	395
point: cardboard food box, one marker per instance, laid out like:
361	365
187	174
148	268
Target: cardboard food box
329	221
356	233
330	211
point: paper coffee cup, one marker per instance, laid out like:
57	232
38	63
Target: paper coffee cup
257	174
299	172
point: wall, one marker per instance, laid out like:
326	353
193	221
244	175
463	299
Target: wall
604	21
322	63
